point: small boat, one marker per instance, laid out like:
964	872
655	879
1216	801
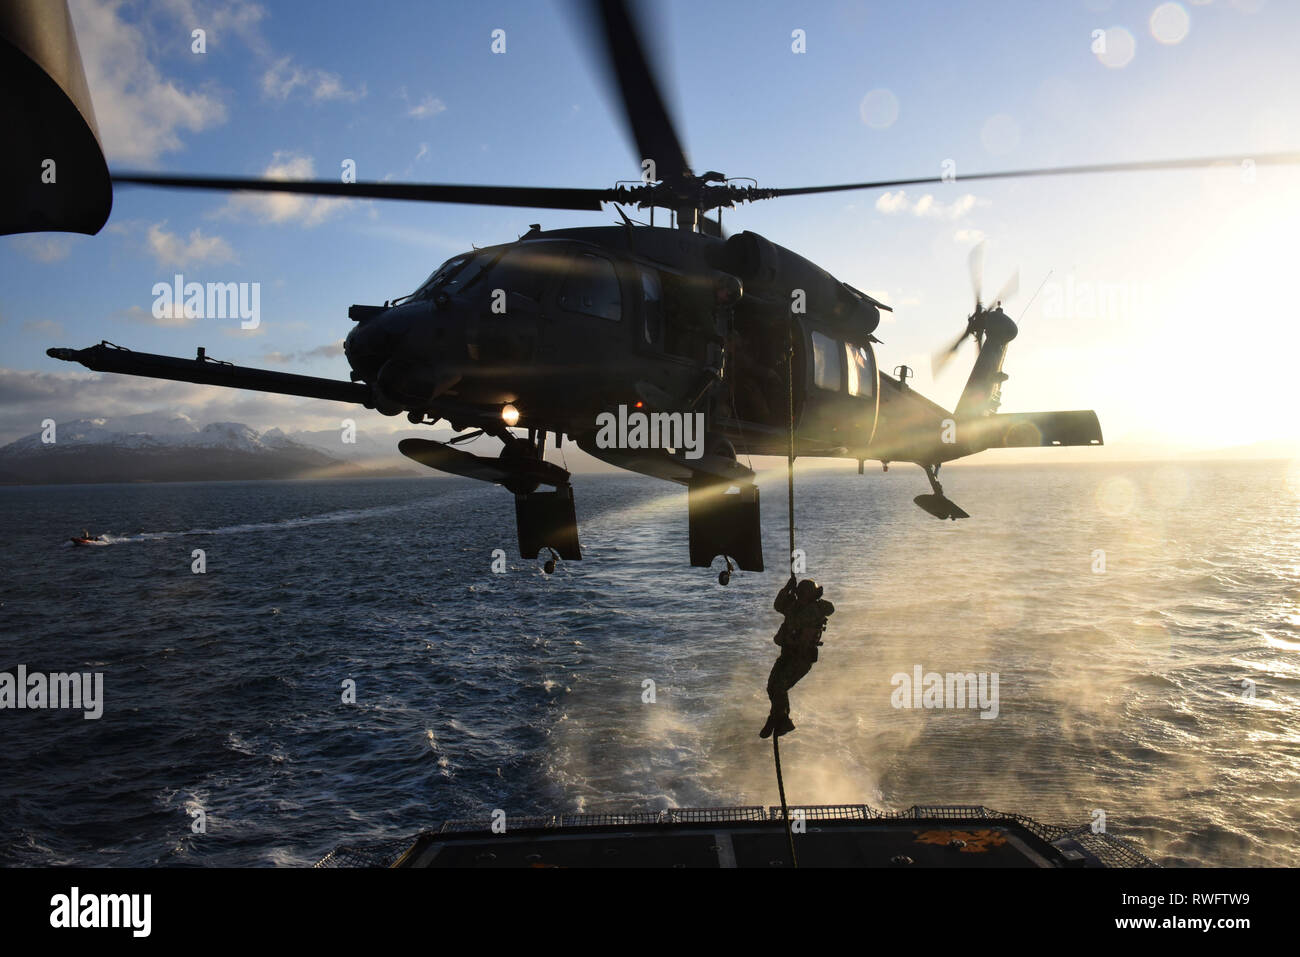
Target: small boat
85	539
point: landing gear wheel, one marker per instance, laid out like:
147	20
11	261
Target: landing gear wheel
938	504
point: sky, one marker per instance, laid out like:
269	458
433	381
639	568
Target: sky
1167	299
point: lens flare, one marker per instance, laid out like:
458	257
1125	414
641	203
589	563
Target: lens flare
1116	496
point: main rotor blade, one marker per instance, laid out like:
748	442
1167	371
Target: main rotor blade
941	358
1010	289
643	104
539	197
976	264
1263	159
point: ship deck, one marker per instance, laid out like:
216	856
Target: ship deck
834	836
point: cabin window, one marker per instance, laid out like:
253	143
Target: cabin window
861	370
591	288
826	362
652	297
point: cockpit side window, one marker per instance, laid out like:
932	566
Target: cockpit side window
592	288
826	362
523	271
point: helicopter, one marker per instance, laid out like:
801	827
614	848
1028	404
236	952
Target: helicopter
692	348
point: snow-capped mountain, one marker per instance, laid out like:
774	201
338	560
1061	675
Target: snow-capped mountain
365	448
146	430
170	446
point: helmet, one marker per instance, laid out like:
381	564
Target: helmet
808	590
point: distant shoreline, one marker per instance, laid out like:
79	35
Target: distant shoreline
768	473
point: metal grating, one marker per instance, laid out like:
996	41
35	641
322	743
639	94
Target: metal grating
712	815
947	812
1110	850
383	854
635	818
471	825
827	812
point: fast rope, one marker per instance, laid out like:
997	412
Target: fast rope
776	736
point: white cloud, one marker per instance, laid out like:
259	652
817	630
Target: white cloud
892	202
140	113
43	327
284	77
968	237
429	106
26	397
171	250
284	207
927	207
219	19
238	332
173	316
43	249
331	350
143	114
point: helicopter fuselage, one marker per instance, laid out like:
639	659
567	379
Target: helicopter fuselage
727	347
565	325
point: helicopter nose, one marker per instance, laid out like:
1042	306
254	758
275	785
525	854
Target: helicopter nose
365	349
376	337
410	354
413	384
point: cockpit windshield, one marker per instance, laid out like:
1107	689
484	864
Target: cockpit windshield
453	275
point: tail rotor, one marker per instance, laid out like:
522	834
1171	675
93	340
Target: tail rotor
975	322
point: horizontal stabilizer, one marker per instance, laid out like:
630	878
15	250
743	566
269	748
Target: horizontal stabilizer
1026	430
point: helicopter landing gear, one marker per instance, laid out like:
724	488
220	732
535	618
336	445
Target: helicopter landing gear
938	504
724	524
543	519
548	520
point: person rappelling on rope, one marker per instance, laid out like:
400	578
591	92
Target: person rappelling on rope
799	637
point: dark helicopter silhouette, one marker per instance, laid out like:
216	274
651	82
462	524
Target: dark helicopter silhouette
659	349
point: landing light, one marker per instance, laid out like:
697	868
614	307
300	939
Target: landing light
510	415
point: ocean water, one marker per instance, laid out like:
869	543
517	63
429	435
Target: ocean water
1160	691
